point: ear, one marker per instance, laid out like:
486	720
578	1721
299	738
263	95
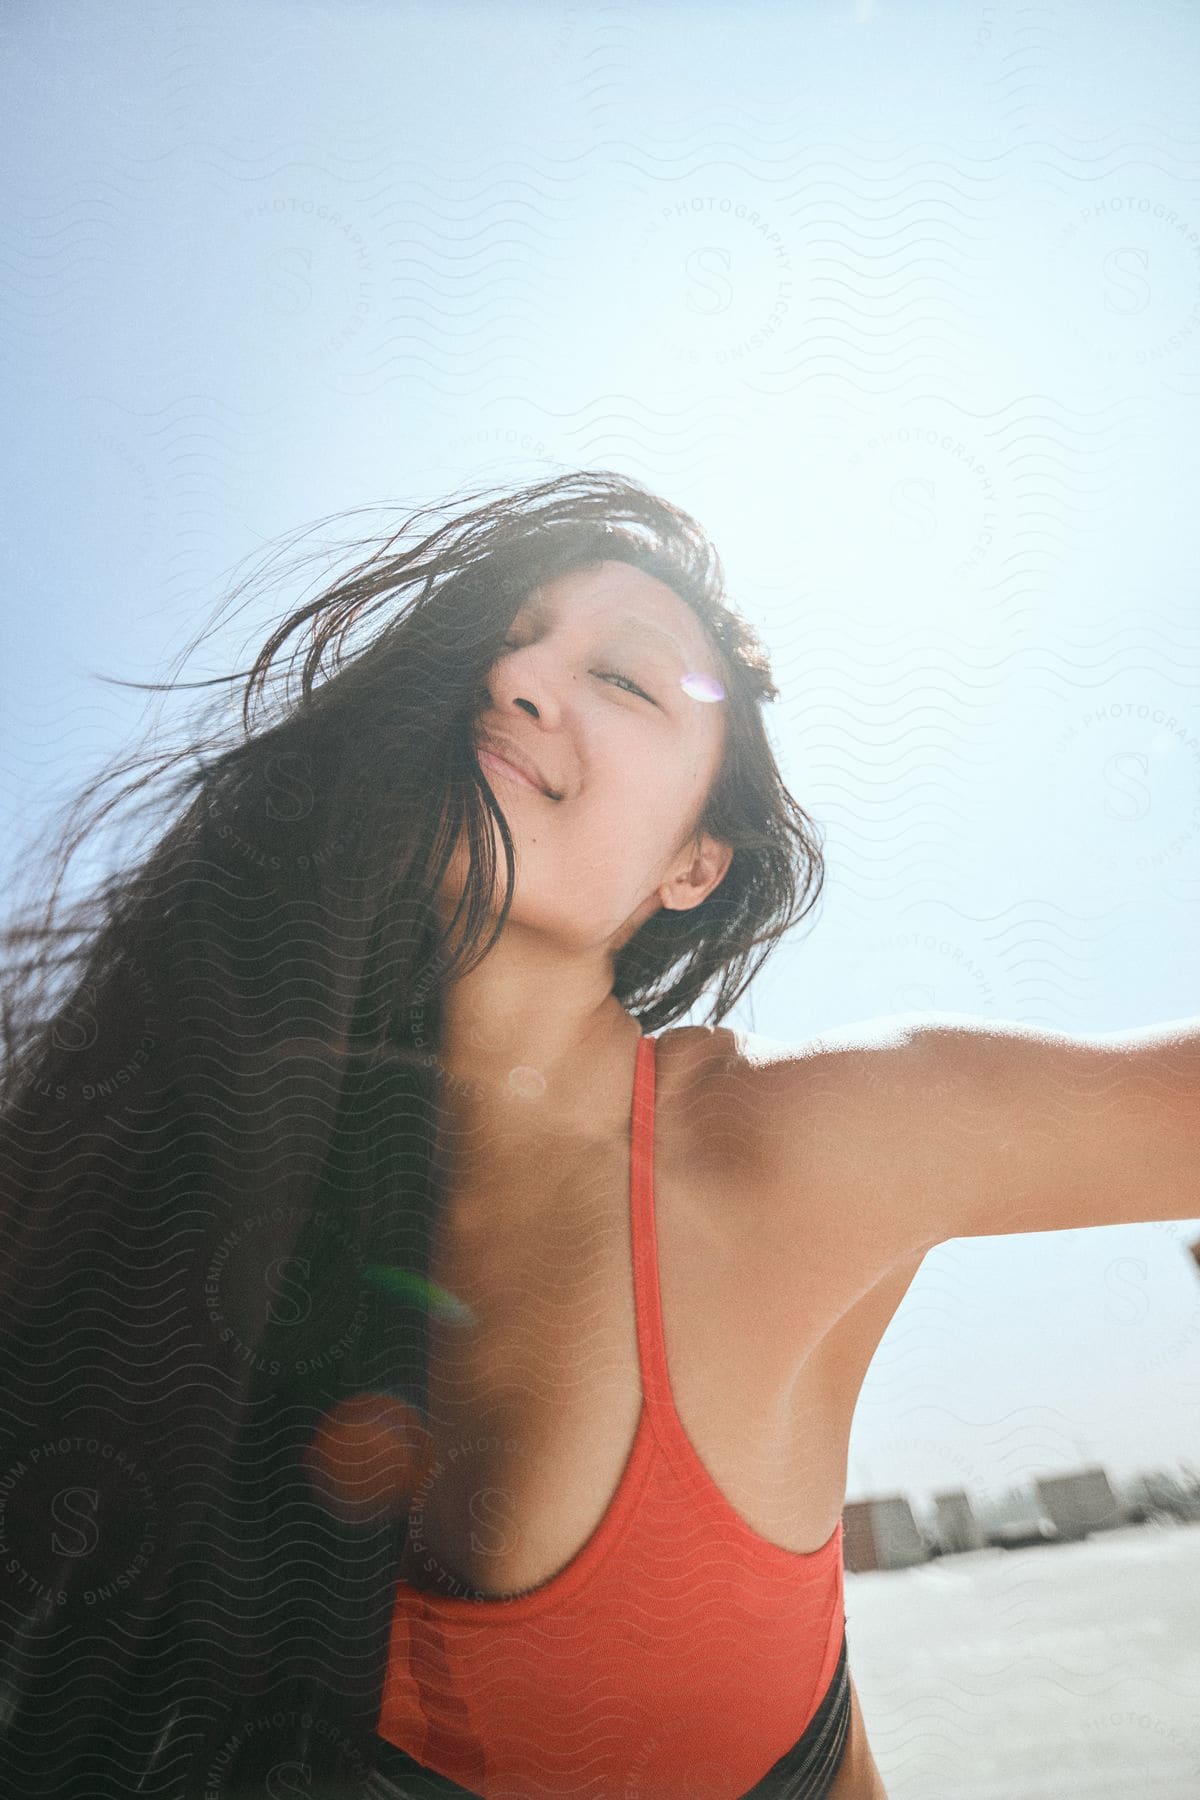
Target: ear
701	868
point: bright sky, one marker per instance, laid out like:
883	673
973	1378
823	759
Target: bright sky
903	301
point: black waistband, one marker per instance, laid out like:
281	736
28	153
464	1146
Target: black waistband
805	1772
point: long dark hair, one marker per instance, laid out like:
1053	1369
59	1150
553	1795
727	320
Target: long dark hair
217	1108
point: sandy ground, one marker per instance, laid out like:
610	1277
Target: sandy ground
1065	1673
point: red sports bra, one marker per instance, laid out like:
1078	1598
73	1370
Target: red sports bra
676	1643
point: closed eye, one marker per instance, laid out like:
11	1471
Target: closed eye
605	675
611	675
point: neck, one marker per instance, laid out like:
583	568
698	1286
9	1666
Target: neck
531	1036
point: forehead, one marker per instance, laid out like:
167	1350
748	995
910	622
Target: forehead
616	594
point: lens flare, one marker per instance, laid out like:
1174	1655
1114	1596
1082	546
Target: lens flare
406	1284
367	1457
702	687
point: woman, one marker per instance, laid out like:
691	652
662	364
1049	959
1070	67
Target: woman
546	1483
429	1370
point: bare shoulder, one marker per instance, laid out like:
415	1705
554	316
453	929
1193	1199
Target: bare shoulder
920	1128
831	1127
785	1095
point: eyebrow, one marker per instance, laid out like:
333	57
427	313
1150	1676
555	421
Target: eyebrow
631	626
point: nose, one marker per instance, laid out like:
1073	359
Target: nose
522	679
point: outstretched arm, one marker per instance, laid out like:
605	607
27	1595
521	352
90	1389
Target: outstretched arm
930	1129
1045	1131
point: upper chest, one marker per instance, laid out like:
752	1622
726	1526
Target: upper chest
534	1409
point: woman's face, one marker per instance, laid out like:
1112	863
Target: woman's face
609	691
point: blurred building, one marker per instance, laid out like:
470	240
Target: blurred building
1160	1492
1016	1518
1016	1506
954	1523
1079	1503
881	1534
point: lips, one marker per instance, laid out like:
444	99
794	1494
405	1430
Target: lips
508	752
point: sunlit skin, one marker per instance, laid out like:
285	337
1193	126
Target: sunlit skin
534	1022
911	1132
527	1033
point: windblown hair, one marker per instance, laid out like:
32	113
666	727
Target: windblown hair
217	1116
